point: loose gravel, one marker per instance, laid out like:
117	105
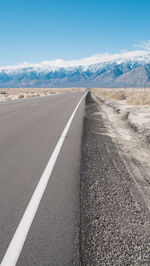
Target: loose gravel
114	221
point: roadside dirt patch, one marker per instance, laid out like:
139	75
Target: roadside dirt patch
114	219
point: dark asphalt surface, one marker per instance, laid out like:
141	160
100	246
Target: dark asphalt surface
102	200
29	131
115	222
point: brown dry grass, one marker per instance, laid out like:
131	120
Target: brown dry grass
110	93
131	96
138	99
18	93
21	96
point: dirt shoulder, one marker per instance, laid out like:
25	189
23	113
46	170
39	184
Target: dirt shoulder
129	128
131	105
115	216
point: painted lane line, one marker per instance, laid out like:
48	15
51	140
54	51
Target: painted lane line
17	242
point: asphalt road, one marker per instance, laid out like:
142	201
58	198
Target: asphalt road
29	131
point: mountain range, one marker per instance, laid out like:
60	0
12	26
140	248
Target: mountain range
128	69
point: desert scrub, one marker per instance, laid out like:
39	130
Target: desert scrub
111	94
138	99
9	98
131	97
21	96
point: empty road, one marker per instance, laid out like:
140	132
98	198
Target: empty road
29	132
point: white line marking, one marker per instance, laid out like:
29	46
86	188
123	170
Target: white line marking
17	242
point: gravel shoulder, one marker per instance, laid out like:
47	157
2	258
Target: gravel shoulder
115	217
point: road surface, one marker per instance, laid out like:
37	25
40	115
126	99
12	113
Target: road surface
93	211
29	132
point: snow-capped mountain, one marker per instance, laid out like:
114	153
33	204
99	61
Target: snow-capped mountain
124	69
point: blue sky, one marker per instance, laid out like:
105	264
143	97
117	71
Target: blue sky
35	31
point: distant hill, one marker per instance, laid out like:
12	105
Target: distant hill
122	71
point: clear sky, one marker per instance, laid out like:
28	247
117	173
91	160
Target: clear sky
39	30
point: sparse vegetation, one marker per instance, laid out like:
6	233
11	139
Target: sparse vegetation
139	99
3	92
21	96
112	94
19	93
130	96
9	98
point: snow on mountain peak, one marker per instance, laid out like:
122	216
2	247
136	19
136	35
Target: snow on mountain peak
53	65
